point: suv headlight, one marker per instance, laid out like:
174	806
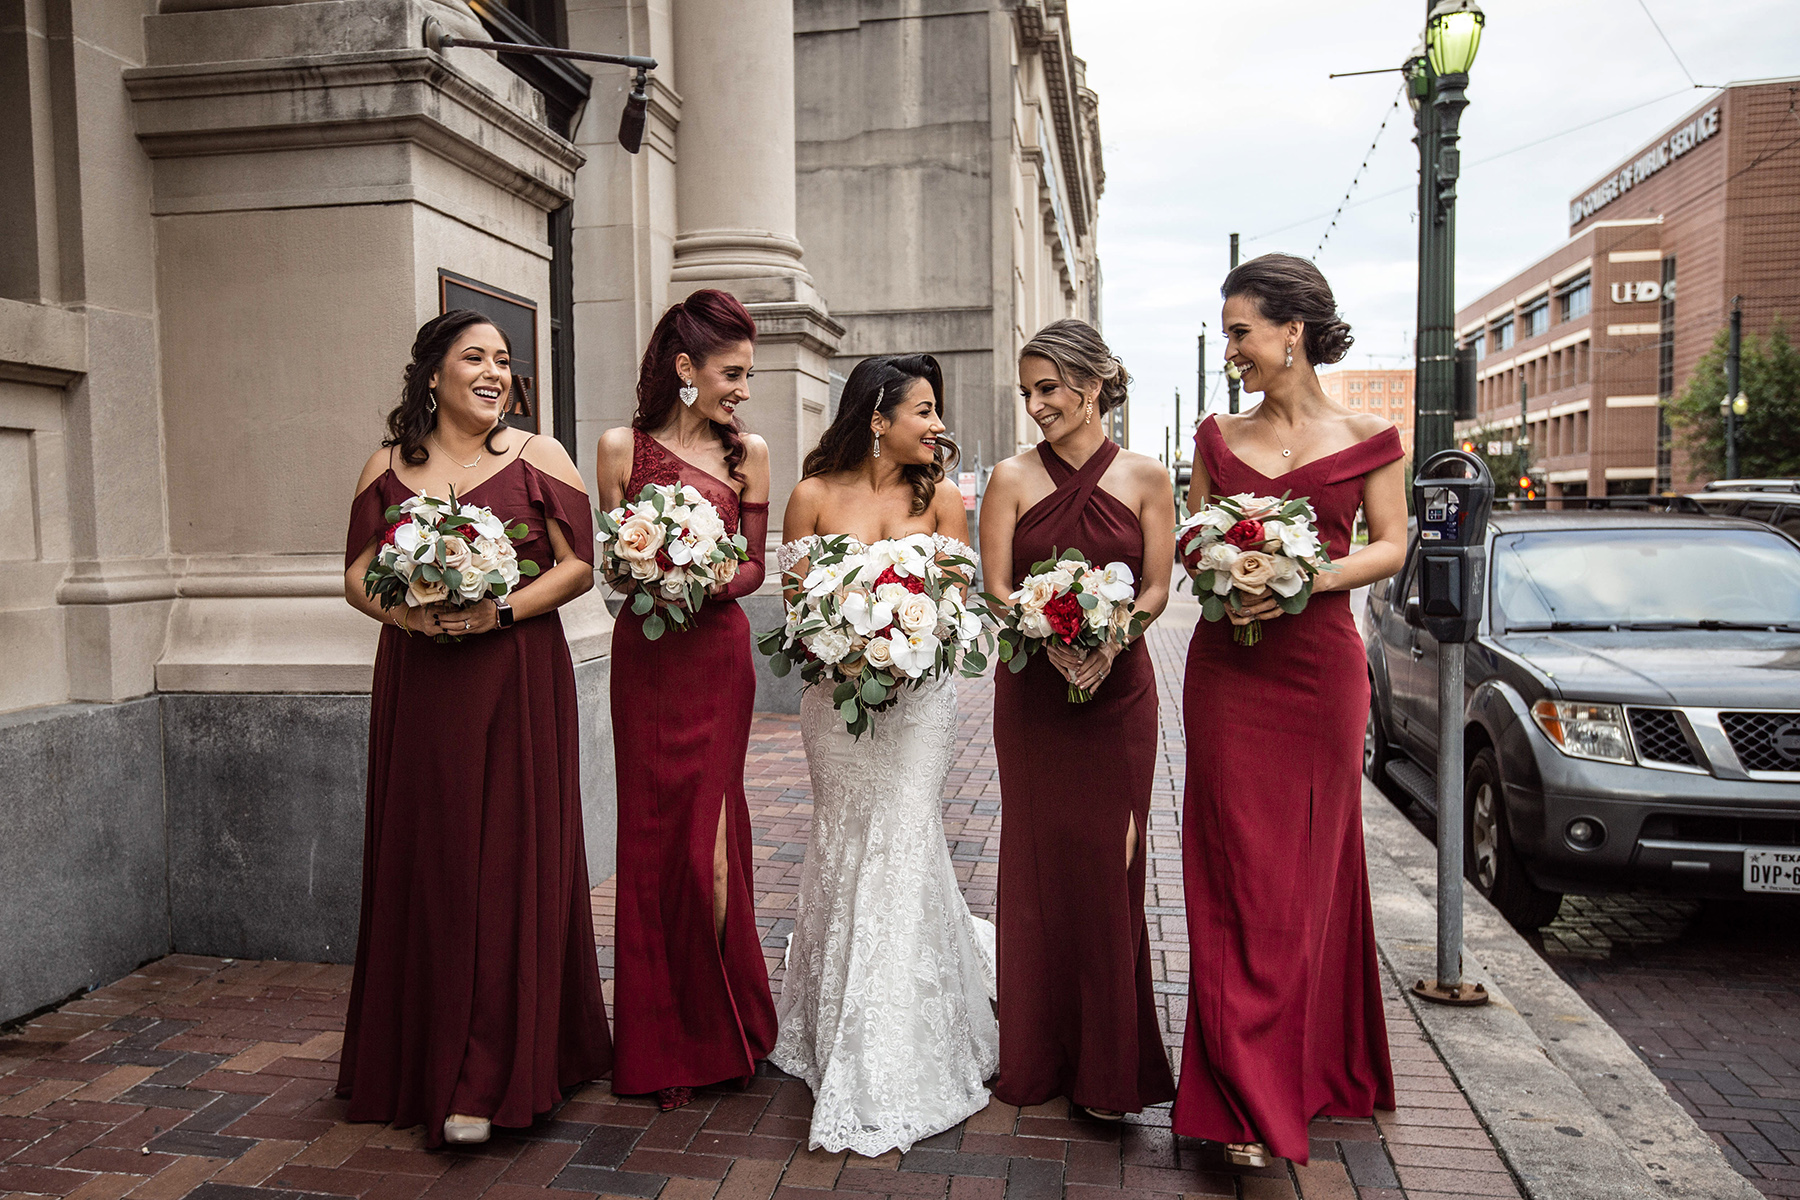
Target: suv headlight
1583	730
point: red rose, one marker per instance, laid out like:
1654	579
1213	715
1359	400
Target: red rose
911	583
1065	615
1247	534
664	561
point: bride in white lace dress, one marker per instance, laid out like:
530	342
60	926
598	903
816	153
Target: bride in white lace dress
886	1004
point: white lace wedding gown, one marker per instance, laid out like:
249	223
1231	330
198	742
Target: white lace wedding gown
885	1007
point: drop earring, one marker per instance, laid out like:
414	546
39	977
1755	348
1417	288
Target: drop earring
430	402
1290	356
689	393
878	443
1090	416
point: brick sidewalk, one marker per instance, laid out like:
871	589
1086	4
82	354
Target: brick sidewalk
213	1079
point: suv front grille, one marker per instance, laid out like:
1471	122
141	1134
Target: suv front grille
1751	831
1764	741
1659	737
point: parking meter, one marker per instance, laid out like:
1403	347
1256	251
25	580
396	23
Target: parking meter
1452	497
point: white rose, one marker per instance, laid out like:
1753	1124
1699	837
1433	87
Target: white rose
1035	625
829	645
1061	579
1298	541
674	585
487	553
1288	578
705	522
643	570
723	571
879	653
1219	557
916	613
1036	592
891	593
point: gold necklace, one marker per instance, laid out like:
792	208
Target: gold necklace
465	466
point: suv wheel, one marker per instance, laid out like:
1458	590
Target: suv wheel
1490	862
1375	748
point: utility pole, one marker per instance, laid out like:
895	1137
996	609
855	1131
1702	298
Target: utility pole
1730	407
1200	404
1178	429
1166	461
1523	444
1230	383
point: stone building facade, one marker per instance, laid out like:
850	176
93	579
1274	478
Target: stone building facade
221	222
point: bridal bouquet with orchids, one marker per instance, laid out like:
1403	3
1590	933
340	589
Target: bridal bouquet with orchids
445	552
670	545
1243	547
870	621
1069	600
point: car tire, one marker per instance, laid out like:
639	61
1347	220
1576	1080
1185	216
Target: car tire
1489	860
1375	745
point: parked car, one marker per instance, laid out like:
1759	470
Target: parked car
1633	708
1752	485
1770	506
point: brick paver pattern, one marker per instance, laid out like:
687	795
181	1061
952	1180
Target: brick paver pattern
213	1079
1709	996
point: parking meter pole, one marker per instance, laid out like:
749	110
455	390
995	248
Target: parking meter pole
1450	817
1447	563
1733	350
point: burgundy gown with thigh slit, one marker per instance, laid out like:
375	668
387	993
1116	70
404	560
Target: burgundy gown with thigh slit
1077	1008
476	988
690	1009
1284	1012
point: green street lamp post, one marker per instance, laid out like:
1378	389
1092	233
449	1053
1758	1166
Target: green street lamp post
1437	76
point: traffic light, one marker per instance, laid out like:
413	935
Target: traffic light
1527	487
1468	447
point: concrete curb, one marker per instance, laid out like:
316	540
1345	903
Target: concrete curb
1574	1111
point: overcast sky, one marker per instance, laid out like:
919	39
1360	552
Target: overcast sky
1219	117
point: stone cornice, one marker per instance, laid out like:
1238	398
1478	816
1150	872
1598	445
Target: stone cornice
404	95
1044	27
41	343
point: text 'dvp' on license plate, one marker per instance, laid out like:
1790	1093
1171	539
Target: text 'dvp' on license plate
1771	870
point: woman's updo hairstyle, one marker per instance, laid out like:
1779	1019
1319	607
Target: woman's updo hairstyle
1290	288
878	385
413	419
1081	357
707	322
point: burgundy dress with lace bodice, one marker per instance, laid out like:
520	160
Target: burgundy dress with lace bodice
1284	1010
689	1008
476	989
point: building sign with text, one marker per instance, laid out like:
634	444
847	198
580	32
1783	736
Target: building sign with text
1702	128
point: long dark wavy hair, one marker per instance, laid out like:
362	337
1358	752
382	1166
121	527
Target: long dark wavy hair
705	323
876	386
413	418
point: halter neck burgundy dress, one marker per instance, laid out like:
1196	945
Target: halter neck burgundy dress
1284	1011
690	1010
476	988
1077	1005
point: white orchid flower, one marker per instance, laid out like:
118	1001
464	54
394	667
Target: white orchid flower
915	653
1114	582
1298	541
866	616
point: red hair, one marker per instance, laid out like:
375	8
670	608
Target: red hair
707	322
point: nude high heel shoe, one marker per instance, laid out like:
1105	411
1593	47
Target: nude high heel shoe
460	1130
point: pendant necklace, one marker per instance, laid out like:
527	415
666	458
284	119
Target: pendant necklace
478	454
1285	452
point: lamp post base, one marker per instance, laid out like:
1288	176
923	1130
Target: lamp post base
1459	995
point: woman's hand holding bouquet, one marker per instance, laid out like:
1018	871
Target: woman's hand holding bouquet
1244	548
669	548
445	553
1068	602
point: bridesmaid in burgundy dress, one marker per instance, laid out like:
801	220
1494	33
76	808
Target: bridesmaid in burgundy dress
691	997
1284	1014
1077	1010
476	997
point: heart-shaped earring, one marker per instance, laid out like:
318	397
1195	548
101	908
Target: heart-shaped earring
689	393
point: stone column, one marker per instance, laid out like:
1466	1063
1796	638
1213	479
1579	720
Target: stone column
735	209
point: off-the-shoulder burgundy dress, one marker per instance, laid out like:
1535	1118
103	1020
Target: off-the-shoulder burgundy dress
1077	1004
690	1010
476	988
1284	1009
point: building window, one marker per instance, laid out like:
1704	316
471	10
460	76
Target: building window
1481	345
1575	298
1375	385
1356	387
1537	318
1502	335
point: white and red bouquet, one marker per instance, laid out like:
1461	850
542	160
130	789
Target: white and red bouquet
669	546
1244	547
1069	600
869	621
445	552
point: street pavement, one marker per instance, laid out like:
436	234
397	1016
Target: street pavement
211	1078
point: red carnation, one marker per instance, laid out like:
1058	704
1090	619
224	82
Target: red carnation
1247	534
1065	615
911	583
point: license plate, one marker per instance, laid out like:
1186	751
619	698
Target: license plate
1771	870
